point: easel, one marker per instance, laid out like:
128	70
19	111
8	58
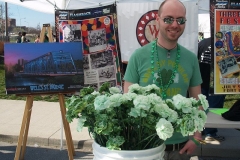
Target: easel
22	139
46	29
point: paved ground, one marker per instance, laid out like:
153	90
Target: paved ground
45	124
46	131
7	152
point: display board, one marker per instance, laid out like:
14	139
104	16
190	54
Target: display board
43	67
225	18
97	30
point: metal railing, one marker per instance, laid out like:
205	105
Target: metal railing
5	38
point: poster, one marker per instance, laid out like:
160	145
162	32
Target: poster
97	30
225	16
39	68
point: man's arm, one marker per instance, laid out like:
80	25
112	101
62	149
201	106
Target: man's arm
126	85
194	91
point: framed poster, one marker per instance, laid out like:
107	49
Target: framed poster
96	29
226	51
43	67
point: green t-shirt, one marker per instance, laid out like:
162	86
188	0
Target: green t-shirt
188	73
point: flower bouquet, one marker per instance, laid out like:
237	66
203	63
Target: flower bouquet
137	120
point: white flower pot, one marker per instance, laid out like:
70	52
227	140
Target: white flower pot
102	153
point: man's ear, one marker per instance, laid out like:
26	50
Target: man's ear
157	17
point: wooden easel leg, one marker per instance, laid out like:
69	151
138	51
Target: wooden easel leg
22	139
26	129
68	134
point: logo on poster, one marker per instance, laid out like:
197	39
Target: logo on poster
80	14
235	4
107	21
63	15
147	30
106	10
47	87
221	5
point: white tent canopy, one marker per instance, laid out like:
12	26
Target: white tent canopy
48	6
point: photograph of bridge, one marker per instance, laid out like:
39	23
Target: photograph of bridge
43	67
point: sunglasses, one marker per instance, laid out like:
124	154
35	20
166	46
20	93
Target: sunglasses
170	20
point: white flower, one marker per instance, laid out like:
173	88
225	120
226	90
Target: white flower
135	88
142	102
95	93
194	113
182	103
164	129
80	124
177	101
162	110
150	87
114	90
165	112
202	118
194	101
202	115
204	101
154	99
100	102
187	126
137	112
199	125
129	96
115	100
173	116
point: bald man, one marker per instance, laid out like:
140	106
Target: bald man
172	67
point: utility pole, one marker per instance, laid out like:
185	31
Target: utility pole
6	18
1	17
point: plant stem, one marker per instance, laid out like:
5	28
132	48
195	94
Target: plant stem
145	139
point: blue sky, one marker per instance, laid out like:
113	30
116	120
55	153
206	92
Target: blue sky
32	17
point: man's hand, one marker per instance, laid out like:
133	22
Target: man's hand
189	148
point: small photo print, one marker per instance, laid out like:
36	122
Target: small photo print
97	40
93	85
101	59
85	62
228	66
106	73
72	33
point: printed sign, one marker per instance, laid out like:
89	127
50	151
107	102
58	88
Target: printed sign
96	29
43	67
225	20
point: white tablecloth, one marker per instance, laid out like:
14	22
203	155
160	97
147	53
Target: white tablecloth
217	121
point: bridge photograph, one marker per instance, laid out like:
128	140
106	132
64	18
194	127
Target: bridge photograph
41	67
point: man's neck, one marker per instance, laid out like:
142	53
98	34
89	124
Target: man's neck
166	44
